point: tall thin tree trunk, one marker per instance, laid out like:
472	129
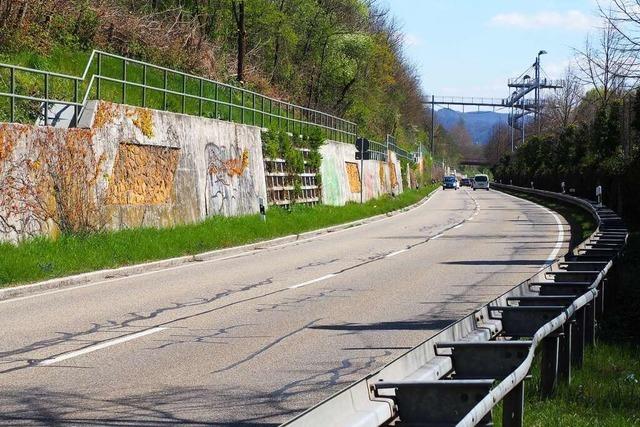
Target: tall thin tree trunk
238	14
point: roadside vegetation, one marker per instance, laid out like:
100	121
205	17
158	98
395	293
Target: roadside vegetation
605	392
41	258
342	57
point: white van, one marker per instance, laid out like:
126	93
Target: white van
481	182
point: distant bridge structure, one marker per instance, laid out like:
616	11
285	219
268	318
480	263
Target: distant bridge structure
519	106
474	162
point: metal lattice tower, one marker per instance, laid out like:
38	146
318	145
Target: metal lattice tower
519	106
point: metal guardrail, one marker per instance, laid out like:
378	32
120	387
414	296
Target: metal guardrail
459	375
120	79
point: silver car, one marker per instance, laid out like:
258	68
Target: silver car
481	182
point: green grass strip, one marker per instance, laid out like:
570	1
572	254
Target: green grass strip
42	258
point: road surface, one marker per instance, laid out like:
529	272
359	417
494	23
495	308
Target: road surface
255	338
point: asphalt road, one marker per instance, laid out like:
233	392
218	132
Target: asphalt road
258	337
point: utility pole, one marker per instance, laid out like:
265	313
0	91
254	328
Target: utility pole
524	115
512	128
433	129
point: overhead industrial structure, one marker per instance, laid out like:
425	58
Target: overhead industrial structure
519	106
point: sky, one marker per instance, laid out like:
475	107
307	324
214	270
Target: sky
471	47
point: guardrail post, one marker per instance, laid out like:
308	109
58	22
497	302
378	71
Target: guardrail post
577	339
549	365
513	407
600	298
590	323
564	357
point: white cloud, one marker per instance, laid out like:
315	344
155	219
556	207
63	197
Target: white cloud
411	40
571	20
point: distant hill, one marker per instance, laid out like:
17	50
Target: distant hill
478	123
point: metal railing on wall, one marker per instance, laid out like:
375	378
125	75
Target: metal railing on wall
115	78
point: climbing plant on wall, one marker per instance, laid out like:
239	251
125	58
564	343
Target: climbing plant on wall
293	155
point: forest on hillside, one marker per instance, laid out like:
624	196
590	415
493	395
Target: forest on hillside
339	56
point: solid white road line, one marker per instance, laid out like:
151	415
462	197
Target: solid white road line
319	279
559	240
100	346
392	254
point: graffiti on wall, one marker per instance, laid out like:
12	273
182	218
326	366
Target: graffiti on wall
383	176
353	174
393	175
230	181
142	175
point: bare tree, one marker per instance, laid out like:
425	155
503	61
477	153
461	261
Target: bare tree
606	64
560	109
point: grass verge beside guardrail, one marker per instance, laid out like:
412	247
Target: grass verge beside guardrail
606	390
41	259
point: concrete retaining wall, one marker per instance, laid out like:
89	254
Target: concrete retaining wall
339	170
129	167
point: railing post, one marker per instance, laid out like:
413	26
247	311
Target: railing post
288	120
230	104
253	116
76	108
200	99
242	109
99	72
12	90
215	104
46	99
124	81
164	92
144	85
184	91
513	407
549	365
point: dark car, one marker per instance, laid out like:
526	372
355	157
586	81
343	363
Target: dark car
449	182
465	182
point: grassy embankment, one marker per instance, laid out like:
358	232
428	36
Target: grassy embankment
40	258
606	390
